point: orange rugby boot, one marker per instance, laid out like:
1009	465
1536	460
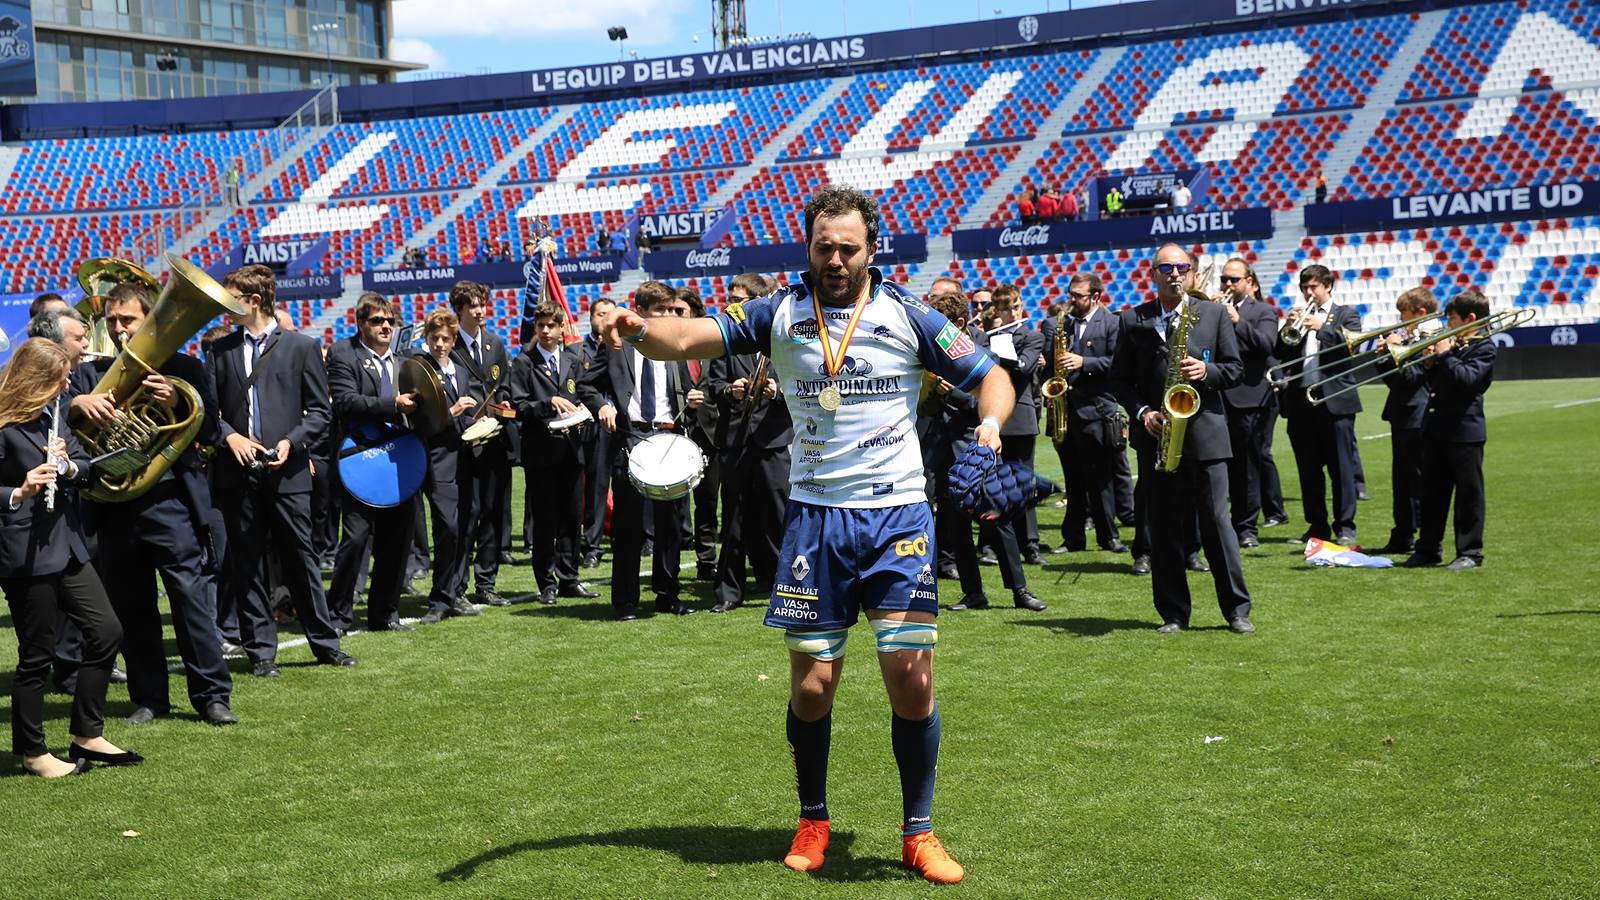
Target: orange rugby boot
927	856
810	840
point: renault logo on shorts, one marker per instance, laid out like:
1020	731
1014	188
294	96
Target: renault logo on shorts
917	546
800	568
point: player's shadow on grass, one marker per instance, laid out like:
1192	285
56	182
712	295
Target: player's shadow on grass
701	845
1086	568
1549	612
1088	626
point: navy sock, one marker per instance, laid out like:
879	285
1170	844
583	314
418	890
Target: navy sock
916	752
809	743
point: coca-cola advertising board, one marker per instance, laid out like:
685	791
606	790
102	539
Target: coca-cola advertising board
892	248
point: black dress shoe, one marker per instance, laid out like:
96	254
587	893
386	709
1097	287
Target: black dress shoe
706	571
673	607
1195	564
462	607
488	598
1032	557
1461	563
1274	521
627	613
1361	493
336	658
1247	541
1115	545
144	715
1395	549
1169	628
1026	600
1317	533
577	589
591	560
433	616
1421	561
988	558
948	571
547	596
1141	565
973	601
647	549
125	758
266	668
229	648
1068	547
218	713
118	676
505	557
1345	539
1241	625
723	606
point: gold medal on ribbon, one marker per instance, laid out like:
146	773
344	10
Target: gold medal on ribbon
831	398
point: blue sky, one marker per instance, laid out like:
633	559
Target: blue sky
469	37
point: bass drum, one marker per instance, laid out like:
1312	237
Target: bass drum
382	468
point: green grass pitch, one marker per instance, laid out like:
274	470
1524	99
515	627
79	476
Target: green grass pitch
1386	733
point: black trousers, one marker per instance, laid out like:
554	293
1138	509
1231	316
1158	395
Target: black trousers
454	512
1271	484
1017	448
755	483
1143	523
223	597
150	535
630	509
597	482
387	532
1248	434
557	522
33	602
705	505
1123	482
325	494
1197	489
262	522
493	504
1405	482
954	531
1088	465
1451	468
1322	443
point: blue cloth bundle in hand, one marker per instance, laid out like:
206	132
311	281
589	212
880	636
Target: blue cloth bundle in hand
988	490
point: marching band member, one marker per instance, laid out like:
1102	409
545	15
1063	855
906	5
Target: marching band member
166	530
363	374
544	386
753	436
1404	409
44	564
597	446
650	396
272	395
1250	402
483	354
1019	350
451	486
701	426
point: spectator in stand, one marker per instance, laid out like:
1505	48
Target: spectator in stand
643	245
619	243
1027	211
1113	201
1322	188
602	240
1048	203
1181	197
1070	207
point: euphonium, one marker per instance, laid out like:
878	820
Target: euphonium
153	435
1055	388
1179	399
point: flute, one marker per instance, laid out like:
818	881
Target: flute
50	456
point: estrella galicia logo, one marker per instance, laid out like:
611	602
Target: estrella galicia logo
12	46
1028	28
853	367
804	331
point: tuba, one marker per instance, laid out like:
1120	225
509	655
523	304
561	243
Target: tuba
146	436
97	277
1055	388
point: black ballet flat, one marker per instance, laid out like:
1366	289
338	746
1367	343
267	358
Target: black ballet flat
125	758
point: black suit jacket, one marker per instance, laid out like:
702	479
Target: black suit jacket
1139	370
36	541
1093	396
1257	336
293	394
1333	359
1029	345
1408	398
494	375
769	424
532	389
447	455
1456	383
609	379
355	388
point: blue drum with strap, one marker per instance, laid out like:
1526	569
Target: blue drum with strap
384	465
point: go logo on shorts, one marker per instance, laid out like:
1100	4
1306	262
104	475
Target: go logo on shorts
917	546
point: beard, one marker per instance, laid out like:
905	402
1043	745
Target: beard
833	291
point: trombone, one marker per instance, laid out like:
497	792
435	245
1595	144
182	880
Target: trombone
1279	375
1384	360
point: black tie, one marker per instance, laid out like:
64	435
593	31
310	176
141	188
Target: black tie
1077	333
385	385
555	374
255	398
450	387
647	391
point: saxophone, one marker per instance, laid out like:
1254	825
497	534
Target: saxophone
1179	399
1056	388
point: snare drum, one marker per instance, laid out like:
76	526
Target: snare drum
665	466
575	419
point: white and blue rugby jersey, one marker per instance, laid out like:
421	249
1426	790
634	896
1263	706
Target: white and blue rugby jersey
864	454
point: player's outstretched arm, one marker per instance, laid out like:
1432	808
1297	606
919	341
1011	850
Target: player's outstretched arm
665	338
996	399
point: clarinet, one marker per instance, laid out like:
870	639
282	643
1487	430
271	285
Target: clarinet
50	456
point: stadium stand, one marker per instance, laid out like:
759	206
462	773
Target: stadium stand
1505	94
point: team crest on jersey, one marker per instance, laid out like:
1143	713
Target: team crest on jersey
853	366
735	312
954	342
883	333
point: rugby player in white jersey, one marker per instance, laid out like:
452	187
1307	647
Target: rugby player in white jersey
851	350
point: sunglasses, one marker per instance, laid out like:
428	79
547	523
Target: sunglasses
1079	295
1169	268
380	321
1230	279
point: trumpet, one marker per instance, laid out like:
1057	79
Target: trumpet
1386	359
1293	332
